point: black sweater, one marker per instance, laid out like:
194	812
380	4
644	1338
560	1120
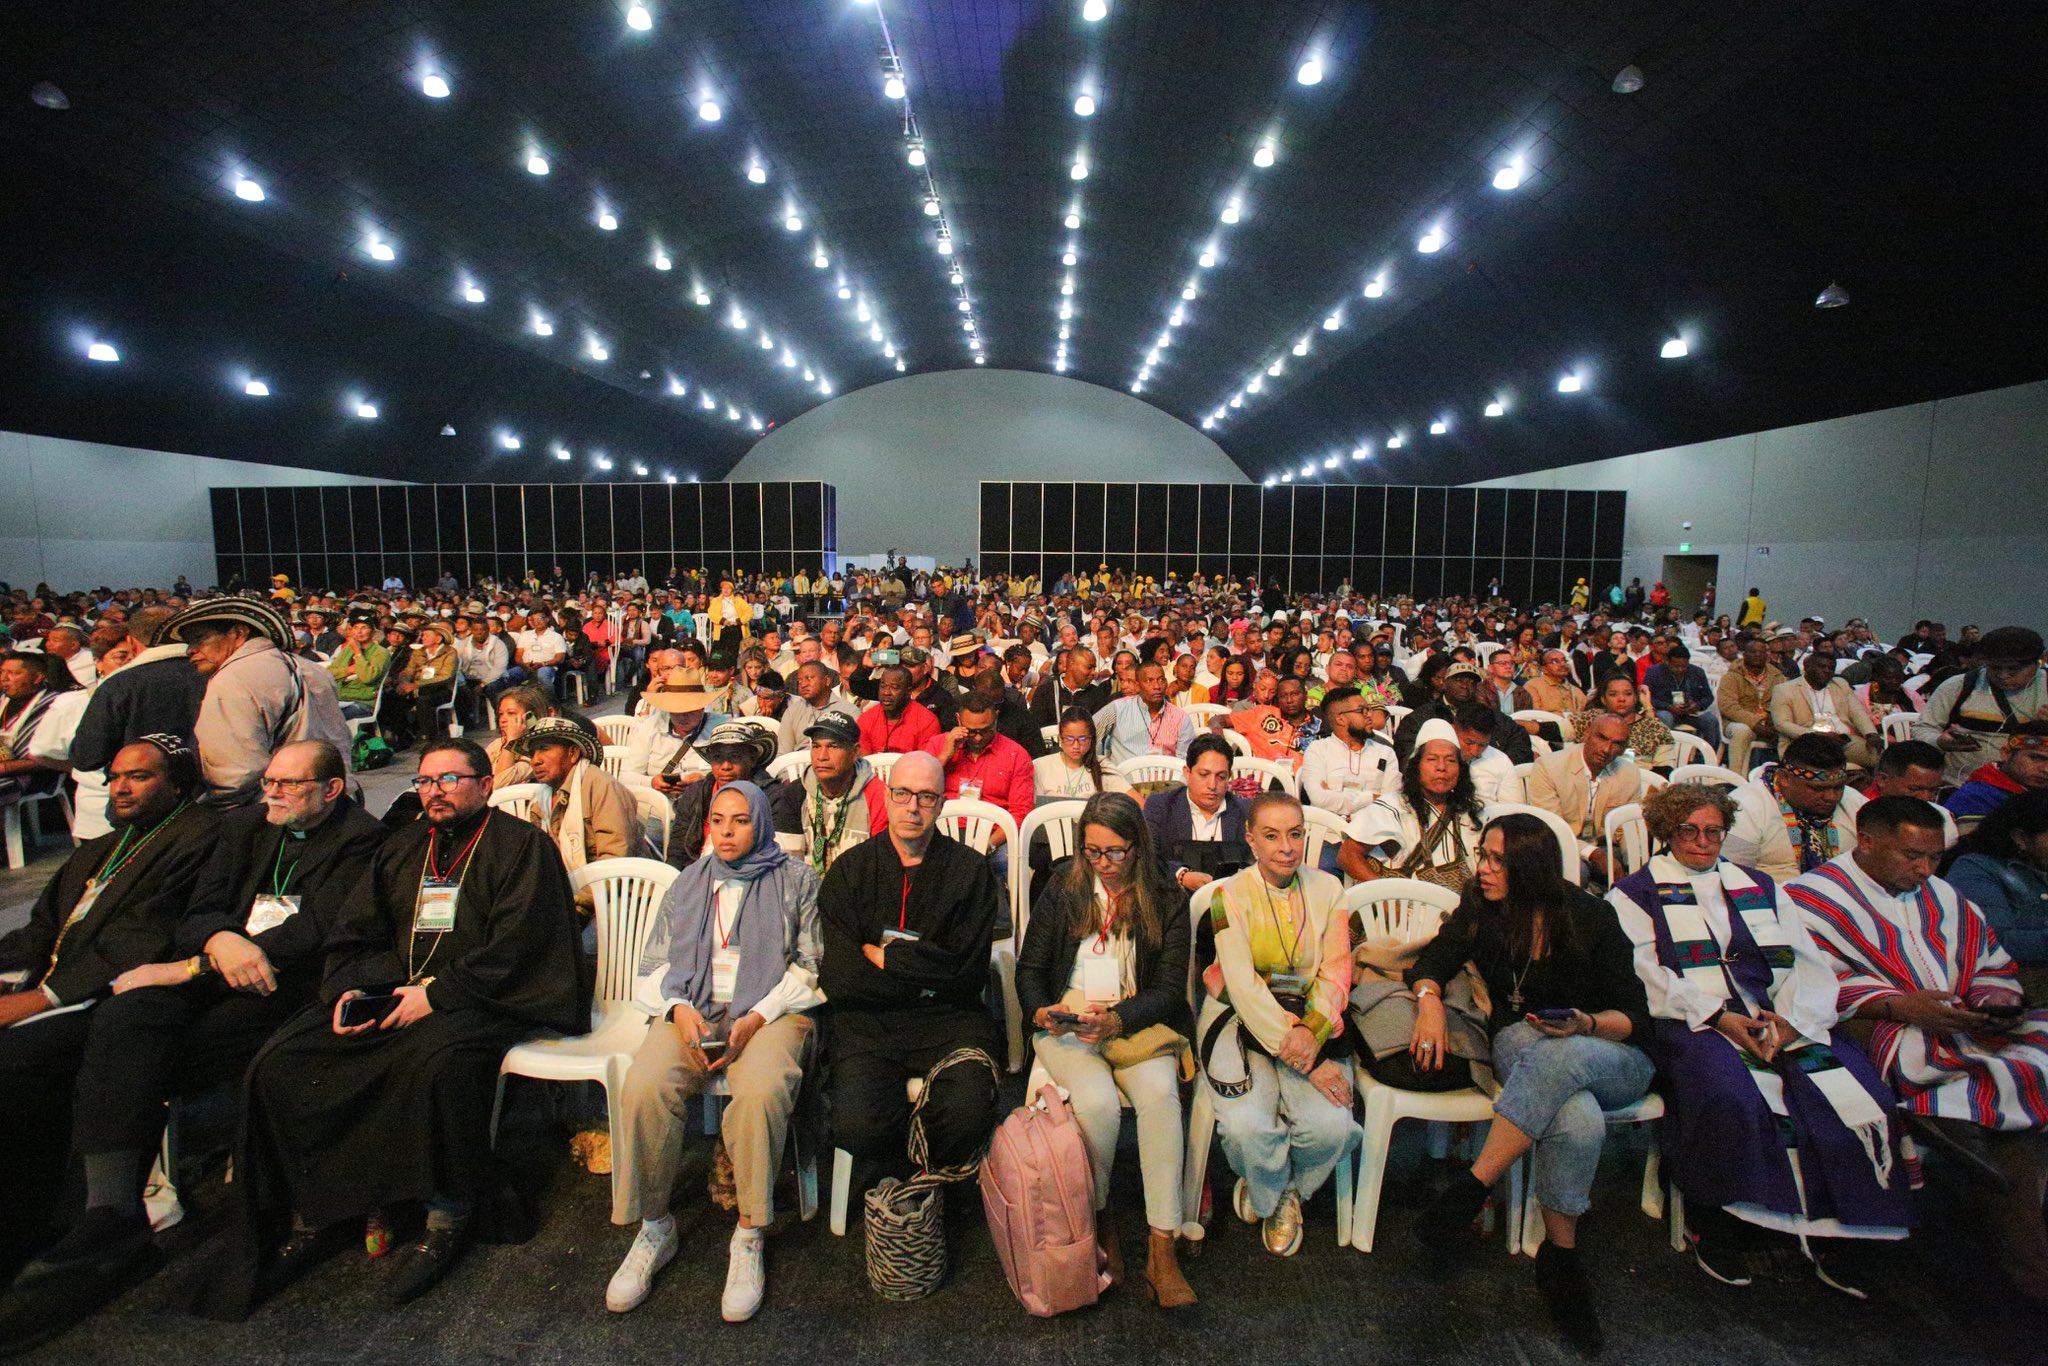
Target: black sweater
1046	964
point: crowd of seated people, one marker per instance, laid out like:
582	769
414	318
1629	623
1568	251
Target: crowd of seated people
1829	938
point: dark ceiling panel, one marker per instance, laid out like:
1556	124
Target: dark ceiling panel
1773	148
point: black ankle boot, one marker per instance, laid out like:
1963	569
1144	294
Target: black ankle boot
1561	1279
1445	1227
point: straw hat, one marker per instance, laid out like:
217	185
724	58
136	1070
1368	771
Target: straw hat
680	690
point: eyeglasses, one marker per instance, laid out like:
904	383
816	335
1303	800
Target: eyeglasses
980	731
1073	739
904	796
1097	854
287	784
447	782
1710	834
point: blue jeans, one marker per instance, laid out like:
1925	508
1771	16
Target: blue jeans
1555	1091
1282	1132
1704	725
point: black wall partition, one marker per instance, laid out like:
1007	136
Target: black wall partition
1380	538
346	536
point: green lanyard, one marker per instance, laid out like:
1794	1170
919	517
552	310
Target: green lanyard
277	884
123	855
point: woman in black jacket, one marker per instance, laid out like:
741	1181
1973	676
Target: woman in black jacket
1103	975
1568	1017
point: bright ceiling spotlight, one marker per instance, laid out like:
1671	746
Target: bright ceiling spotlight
1064	331
899	364
788	360
1569	384
893	86
706	402
861	312
1072	220
1396	441
1496	409
662	261
1674	349
820	261
1079	170
931	206
472	292
981	360
603	462
1834	296
1264	156
875	332
559	451
845	292
1310	72
1177	317
596	350
1207	258
542	327
256	388
1257	384
1069	257
640	470
1066	286
638	19
1509	177
1277	368
1439	427
966	307
676	387
1237	400
1208	424
889	350
825	388
1066	310
809	377
1188	291
1301	347
757	173
1330	463
536	164
1431	241
1308	470
708	109
1084	105
248	189
1333	322
753	423
1095	11
1628	80
380	250
793	222
1233	211
508	440
667	478
366	411
736	319
447	429
701	298
1376	286
916	153
945	246
607	220
434	86
767	342
1362	451
1287	478
732	414
954	276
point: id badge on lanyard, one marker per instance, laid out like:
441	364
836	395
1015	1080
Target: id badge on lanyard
435	911
1101	977
91	894
268	912
725	972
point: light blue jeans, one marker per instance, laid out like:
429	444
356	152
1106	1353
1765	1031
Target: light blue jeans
1283	1132
1555	1090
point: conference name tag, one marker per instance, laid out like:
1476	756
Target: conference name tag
1287	984
93	888
268	912
890	936
436	910
970	790
1101	978
725	972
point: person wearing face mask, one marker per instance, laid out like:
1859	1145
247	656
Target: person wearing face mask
1272	1025
1915	963
462	931
1582	783
1426	828
731	984
1777	1121
1797	814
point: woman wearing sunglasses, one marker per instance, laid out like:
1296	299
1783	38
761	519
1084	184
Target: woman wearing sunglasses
1103	975
1075	768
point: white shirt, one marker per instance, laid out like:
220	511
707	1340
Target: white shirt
82	671
543	646
1206	829
1343	781
798	989
1492	771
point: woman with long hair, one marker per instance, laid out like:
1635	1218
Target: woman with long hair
1428	828
517	706
1075	768
1568	1018
1236	688
2002	866
1647	736
1103	976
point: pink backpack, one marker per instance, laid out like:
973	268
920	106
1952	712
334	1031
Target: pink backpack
1040	1199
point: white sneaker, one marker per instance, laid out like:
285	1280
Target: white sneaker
653	1249
746	1276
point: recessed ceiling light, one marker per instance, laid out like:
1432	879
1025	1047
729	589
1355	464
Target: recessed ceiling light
757	173
736	319
1376	286
248	189
819	260
1264	156
1431	241
1569	384
256	388
661	260
1509	177
509	440
607	220
1396	441
434	86
1084	105
808	376
1496	408
536	164
1439	427
708	110
367	411
1674	348
472	292
1233	211
1094	11
380	250
1310	72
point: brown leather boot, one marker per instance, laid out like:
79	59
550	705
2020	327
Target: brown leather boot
1112	1250
1170	1289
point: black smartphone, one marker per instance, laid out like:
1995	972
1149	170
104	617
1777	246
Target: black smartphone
1554	1014
368	1010
711	1048
2000	1010
1063	1017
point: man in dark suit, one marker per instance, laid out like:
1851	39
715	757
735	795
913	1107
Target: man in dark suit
1202	810
1072	684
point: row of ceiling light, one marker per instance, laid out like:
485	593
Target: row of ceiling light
1087	98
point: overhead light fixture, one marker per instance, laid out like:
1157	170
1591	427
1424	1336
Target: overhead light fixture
1066	309
1208	423
639	19
472	292
767	342
732	414
825	387
893	86
1674	349
596	350
1207	258
1069	257
757	173
1084	105
640	470
248	189
1333	322
667	478
1569	384
708	110
875	332
819	260
736	319
1263	157
945	246
1834	296
931	206
1177	317
1509	177
380	250
434	85
1628	80
899	364
1188	291
1330	463
1233	211
256	388
845	292
676	387
1237	400
1439	427
366	411
1308	470
1277	368
1066	286
603	462
916	153
1431	241
542	327
753	423
559	451
1376	286
508	440
447	429
1396	441
1064	330
662	261
1095	11
1079	170
1362	451
954	276
607	220
1496	408
1287	478
1301	347
1310	72
1072	220
1256	384
706	402
808	376
793	222
536	164
981	360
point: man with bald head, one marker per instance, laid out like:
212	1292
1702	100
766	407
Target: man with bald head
908	921
244	957
115	904
1582	783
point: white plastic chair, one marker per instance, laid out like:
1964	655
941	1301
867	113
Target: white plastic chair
1202	713
454	720
1239	746
1897	726
1538	715
1051	736
882	763
357	724
1399	908
1690	744
1567	842
1713	775
1060	823
615	760
31	804
1152	768
518	800
1525	1216
1275	773
791	767
618	730
1395	716
627	895
974	824
1324	829
1627	838
656	813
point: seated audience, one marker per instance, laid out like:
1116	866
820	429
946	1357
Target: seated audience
1146	723
1907	768
1103	976
425	683
1582	783
1075	767
518	706
1073	685
2001	866
1352	763
1820	702
589	814
1775	1120
2022	768
1279	732
1455	684
816	693
1493	773
895	724
1969	714
736	752
1744	700
26	701
840	800
358	666
984	766
1198	824
1677	691
1648	739
1569	1024
1795	815
1426	828
1552	689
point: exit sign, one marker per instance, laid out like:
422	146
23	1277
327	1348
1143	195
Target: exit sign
1685	547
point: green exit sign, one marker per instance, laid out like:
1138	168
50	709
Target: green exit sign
1685	547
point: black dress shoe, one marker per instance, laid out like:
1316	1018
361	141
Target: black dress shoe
1445	1228
431	1258
1561	1279
34	1311
103	1236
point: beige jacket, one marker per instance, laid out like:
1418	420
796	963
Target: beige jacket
1792	708
1559	783
1741	700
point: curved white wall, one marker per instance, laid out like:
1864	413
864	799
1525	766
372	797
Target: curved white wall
908	456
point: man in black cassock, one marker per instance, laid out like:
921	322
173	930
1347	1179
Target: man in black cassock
908	921
114	905
467	918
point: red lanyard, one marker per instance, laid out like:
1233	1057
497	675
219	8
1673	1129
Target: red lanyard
903	912
461	859
725	935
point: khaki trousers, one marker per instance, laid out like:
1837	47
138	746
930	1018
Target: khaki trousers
764	1080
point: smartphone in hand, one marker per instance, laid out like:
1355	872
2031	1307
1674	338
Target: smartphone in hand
1554	1015
368	1010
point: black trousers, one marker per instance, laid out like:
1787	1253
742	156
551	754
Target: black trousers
149	1045
39	1062
870	1114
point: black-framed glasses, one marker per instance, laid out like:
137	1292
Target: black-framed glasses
904	796
1710	834
288	784
1113	856
447	782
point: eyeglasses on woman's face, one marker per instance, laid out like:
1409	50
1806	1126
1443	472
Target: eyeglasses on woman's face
1112	855
1074	741
1702	834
